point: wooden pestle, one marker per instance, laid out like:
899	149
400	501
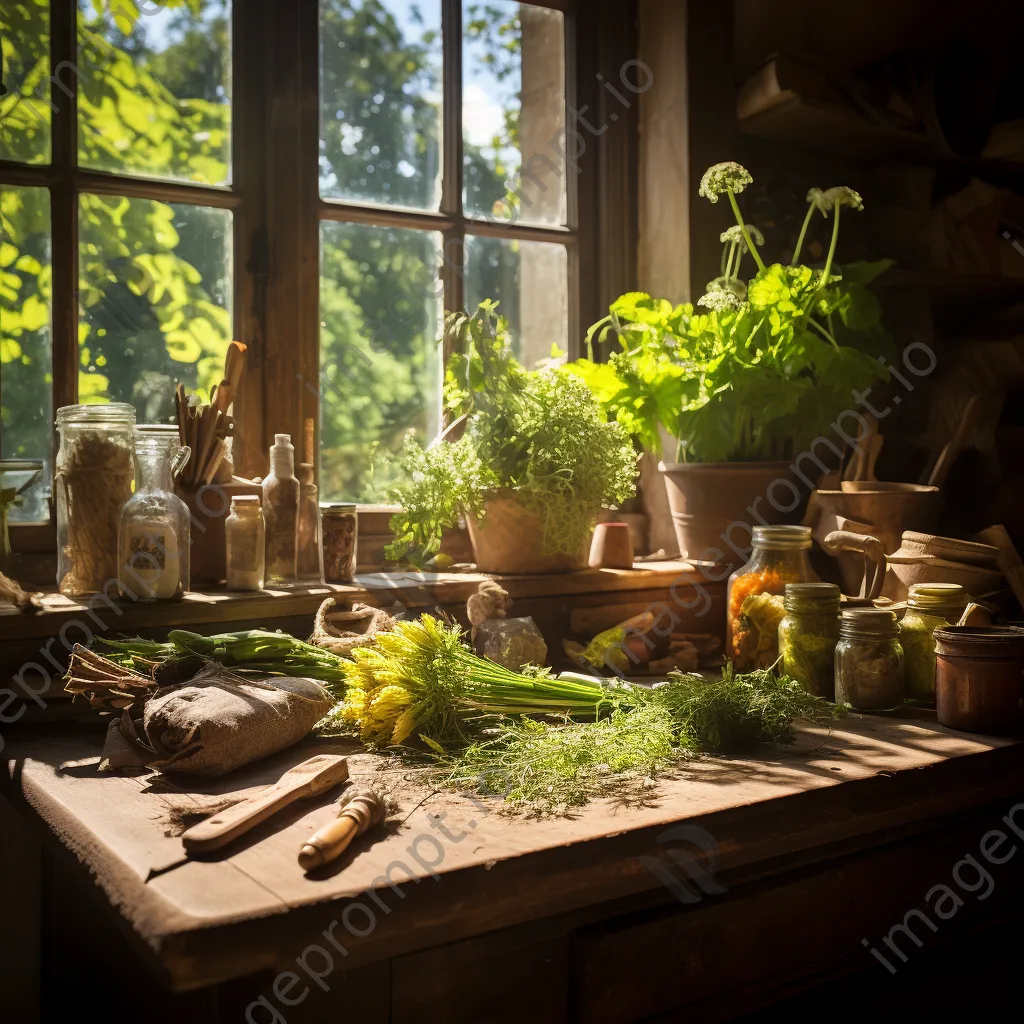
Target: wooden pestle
365	809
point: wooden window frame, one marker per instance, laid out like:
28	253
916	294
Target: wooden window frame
276	243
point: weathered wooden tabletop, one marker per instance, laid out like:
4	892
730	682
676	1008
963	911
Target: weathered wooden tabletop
203	922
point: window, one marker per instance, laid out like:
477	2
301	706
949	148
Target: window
320	179
115	142
439	187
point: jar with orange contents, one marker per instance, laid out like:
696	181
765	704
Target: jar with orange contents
754	599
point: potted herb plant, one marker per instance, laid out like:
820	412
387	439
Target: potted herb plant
536	460
749	380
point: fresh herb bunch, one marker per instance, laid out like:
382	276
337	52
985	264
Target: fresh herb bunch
252	650
550	767
765	367
537	433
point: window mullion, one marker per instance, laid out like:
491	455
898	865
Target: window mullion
451	175
64	202
453	266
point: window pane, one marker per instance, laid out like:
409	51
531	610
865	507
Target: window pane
530	280
380	313
155	300
25	313
155	89
380	101
513	112
25	110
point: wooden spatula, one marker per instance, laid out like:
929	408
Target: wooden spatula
310	778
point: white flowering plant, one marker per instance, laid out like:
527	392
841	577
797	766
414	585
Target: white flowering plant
757	369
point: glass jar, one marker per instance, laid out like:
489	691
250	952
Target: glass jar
154	528
340	529
808	636
245	540
930	606
869	660
281	512
309	525
754	597
92	481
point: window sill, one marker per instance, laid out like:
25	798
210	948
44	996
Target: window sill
74	621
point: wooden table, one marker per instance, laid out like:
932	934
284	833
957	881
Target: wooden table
475	916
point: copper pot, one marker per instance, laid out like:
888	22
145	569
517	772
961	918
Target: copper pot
978	673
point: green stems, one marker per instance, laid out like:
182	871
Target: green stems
743	228
826	334
832	248
803	234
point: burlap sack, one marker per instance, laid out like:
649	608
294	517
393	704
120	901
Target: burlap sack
219	722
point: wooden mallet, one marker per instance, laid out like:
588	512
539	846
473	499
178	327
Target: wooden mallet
362	810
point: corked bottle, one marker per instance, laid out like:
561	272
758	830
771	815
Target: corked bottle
309	525
281	511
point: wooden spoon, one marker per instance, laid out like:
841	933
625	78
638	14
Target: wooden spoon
950	451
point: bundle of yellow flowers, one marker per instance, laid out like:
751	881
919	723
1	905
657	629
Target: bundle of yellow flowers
421	679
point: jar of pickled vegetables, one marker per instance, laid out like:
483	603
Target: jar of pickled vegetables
808	636
869	660
754	599
930	606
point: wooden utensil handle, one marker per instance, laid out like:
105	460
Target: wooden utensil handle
235	820
328	843
313	776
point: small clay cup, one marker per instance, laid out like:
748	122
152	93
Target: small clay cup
978	674
612	547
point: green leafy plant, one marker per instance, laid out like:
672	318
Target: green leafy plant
537	434
765	366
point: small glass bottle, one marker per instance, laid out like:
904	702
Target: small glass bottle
92	481
281	512
869	660
309	525
930	606
154	533
245	540
340	529
808	636
754	597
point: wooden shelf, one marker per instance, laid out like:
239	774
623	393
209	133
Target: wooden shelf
824	128
416	590
992	287
840	132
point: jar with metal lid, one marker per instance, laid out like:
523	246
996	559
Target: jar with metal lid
869	660
780	555
339	528
245	543
92	481
808	636
930	606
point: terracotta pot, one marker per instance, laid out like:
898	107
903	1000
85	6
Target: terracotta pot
707	498
612	547
509	539
978	673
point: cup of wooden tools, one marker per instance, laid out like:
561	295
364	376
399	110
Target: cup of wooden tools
208	482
